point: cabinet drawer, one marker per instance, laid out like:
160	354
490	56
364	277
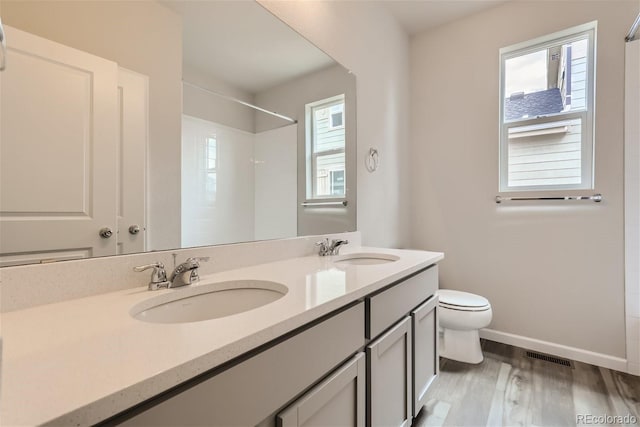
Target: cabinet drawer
247	393
390	305
337	401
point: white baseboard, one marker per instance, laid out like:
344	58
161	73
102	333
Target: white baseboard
572	353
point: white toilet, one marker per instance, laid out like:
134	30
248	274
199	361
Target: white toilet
461	315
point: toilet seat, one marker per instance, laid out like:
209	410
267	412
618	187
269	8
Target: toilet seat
462	301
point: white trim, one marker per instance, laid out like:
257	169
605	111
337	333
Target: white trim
573	353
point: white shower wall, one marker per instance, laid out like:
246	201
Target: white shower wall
275	183
251	198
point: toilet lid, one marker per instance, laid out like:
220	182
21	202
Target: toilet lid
461	299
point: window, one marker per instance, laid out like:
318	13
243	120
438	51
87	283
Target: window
336	116
547	112
326	176
211	160
337	182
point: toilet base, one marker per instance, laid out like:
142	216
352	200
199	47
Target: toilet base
463	346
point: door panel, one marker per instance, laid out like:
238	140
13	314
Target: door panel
425	350
133	97
58	107
389	364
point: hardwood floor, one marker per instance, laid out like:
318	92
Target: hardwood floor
510	389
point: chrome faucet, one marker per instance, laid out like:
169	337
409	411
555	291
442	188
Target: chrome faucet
158	276
332	248
184	274
187	272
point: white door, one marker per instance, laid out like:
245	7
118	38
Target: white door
133	97
58	110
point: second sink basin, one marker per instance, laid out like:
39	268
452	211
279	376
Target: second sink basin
365	258
205	302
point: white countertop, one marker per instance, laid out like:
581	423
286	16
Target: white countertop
81	361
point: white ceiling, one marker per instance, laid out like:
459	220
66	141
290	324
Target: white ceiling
420	15
244	45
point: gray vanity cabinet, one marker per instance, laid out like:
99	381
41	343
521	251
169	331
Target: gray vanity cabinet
389	393
337	401
403	357
424	326
389	343
253	390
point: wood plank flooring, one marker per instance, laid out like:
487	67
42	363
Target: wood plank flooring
510	389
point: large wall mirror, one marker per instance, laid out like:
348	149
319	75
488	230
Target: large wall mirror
131	126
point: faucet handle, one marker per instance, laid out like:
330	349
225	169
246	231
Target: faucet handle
324	246
158	275
323	242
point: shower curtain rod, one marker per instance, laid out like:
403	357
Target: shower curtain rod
239	101
634	29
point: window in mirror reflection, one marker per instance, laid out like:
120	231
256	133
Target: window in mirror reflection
326	148
211	157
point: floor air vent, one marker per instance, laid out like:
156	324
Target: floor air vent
551	359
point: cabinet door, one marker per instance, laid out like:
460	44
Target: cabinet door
424	321
389	363
337	401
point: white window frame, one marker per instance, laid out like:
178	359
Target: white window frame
312	155
587	115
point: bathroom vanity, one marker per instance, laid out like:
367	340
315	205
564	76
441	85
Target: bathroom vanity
353	341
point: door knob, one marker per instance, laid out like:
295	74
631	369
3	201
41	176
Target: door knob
105	232
134	229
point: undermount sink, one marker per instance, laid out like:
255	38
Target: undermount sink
211	301
365	258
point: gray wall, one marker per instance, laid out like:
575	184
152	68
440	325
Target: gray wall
552	271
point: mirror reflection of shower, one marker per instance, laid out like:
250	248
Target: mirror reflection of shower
237	184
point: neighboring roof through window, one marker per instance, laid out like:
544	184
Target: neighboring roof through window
528	105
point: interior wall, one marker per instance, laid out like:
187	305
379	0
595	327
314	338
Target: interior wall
632	203
144	37
553	271
364	38
290	99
